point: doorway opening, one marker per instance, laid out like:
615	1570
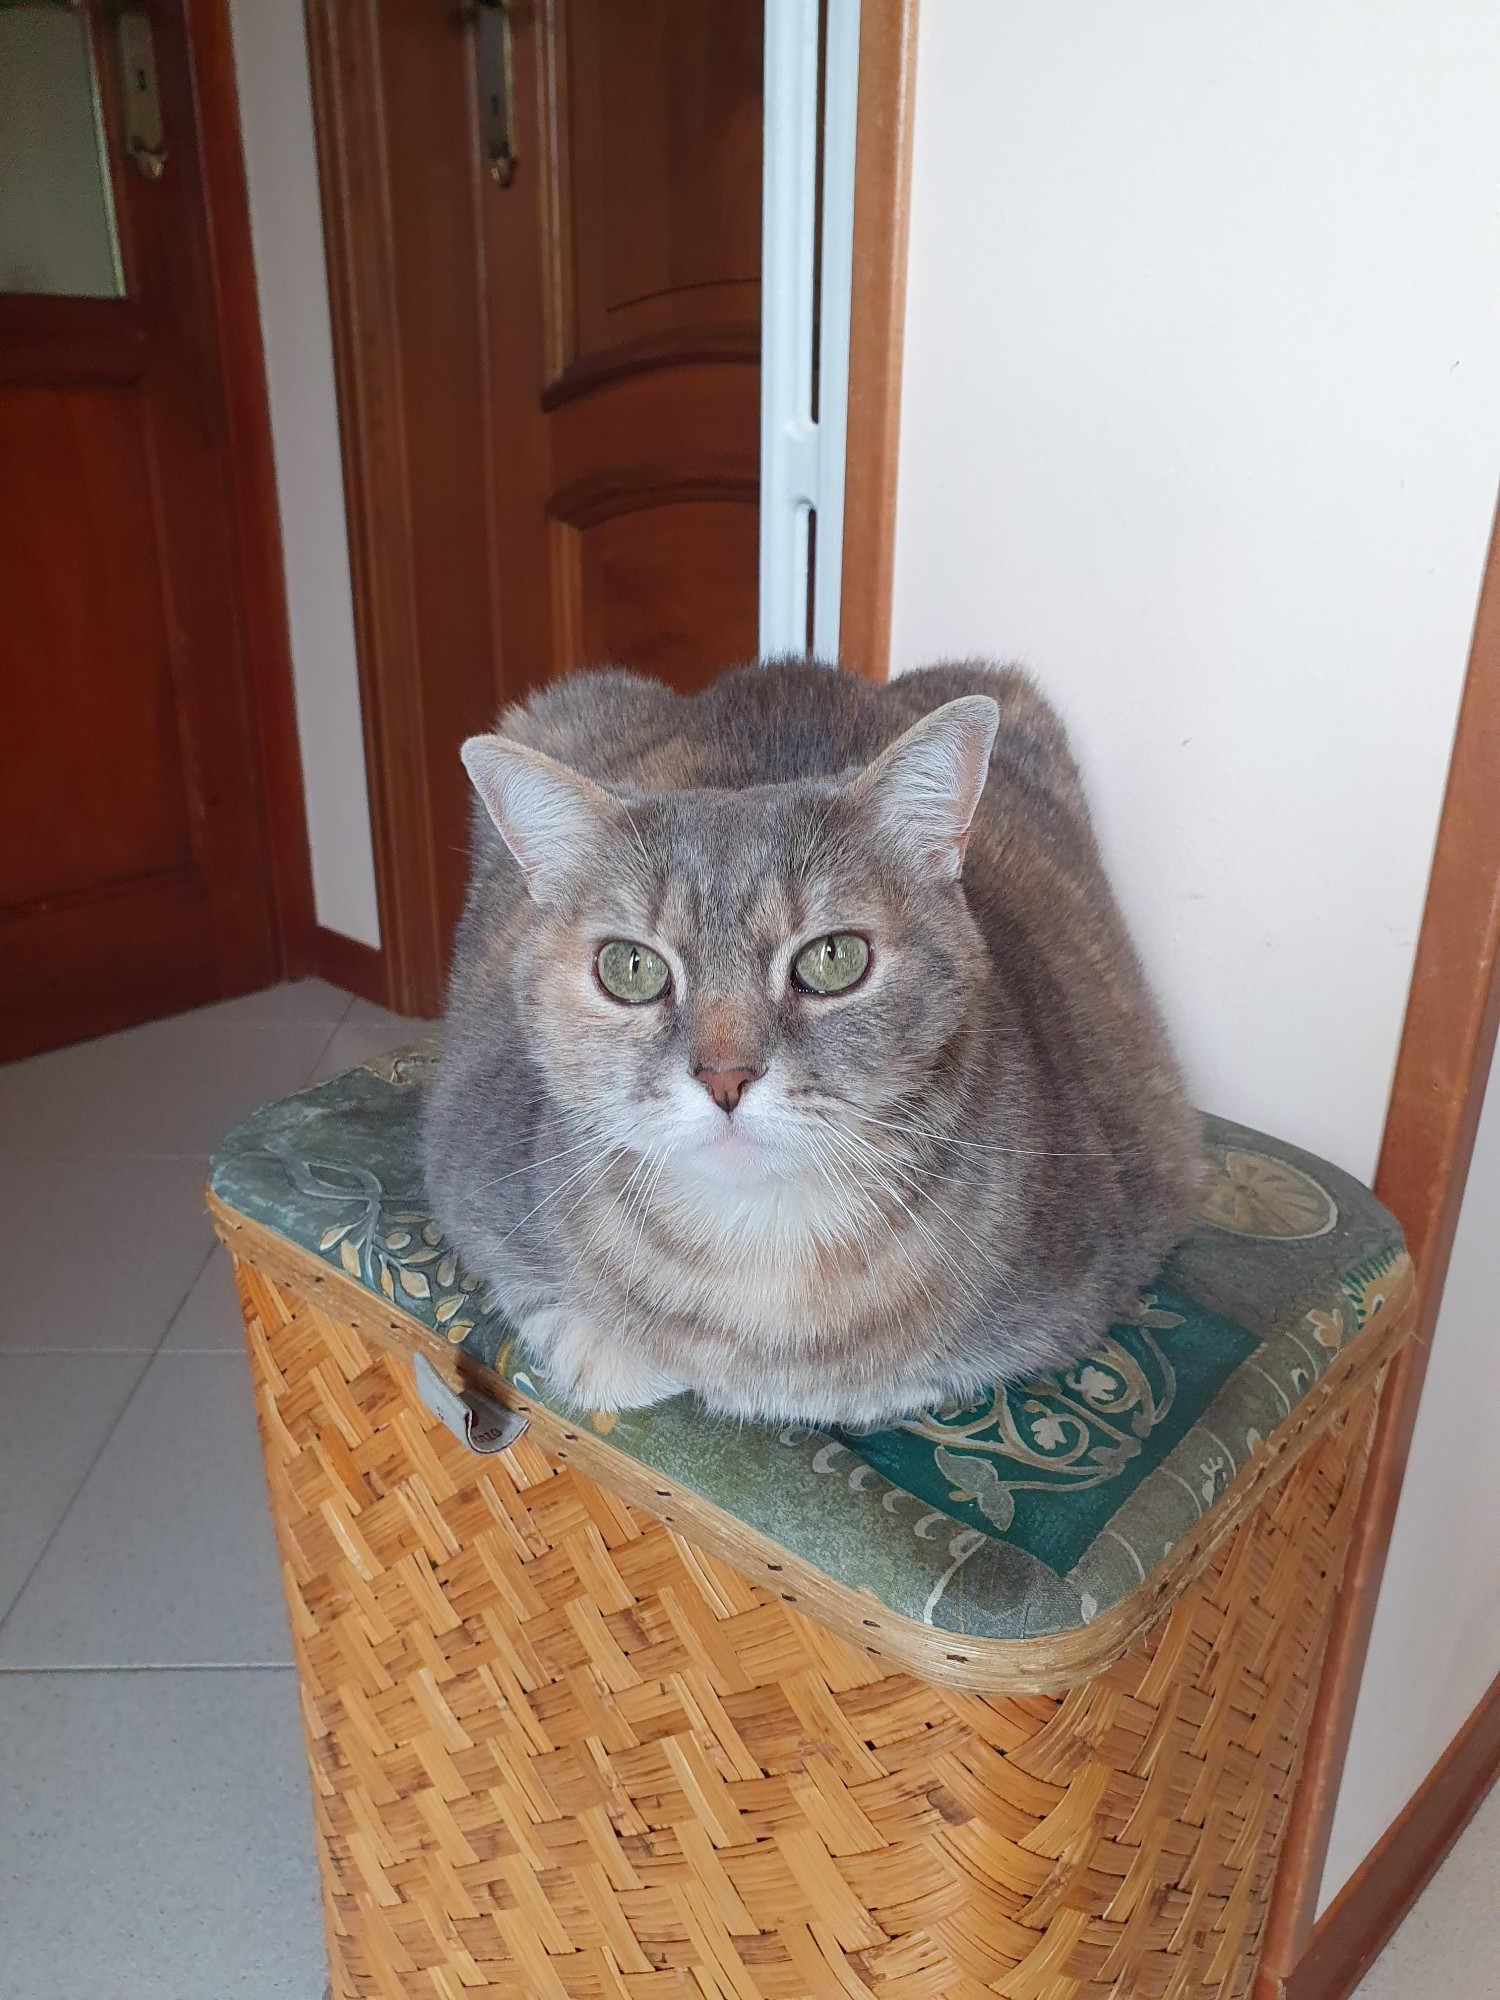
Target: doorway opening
544	228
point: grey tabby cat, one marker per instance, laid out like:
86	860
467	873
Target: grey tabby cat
796	1051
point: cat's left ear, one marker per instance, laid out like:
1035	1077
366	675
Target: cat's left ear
552	820
924	789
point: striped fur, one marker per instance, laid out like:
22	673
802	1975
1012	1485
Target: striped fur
956	1173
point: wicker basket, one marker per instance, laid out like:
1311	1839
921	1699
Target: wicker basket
576	1729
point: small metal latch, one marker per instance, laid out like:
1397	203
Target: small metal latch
144	139
495	75
475	1419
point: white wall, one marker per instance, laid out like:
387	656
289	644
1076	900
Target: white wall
1435	1647
276	113
1201	419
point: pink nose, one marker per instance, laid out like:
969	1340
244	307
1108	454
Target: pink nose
726	1086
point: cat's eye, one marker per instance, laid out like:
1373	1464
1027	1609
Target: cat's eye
831	964
631	972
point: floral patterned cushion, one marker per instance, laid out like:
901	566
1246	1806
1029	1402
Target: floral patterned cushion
1021	1514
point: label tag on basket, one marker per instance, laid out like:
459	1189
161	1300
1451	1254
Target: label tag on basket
475	1419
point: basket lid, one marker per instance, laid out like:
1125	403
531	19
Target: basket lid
1020	1540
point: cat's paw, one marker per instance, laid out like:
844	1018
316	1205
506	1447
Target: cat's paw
589	1367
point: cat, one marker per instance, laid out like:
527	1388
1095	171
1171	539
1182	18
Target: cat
796	1053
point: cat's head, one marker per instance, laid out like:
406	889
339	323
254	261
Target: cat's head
742	982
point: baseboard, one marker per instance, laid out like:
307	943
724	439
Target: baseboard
344	961
1360	1921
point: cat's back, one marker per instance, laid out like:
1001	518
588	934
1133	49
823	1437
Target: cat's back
772	724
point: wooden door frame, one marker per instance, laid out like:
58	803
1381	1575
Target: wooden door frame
877	329
1442	1068
254	507
381	395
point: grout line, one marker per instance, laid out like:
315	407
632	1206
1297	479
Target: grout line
8	1348
111	1157
224	1353
176	1312
158	1667
85	1476
178	1309
317	1063
148	1356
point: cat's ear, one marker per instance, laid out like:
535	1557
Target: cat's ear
924	789
552	820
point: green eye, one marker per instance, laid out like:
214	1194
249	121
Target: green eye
831	964
630	972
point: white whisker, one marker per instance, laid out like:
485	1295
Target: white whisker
851	1185
935	1138
639	1234
620	1199
532	1166
939	1249
589	1187
913	1181
636	836
587	1167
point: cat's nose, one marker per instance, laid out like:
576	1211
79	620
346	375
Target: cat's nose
726	1086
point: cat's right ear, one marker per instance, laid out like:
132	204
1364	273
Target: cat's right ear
550	818
924	788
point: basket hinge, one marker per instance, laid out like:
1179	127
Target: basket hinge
476	1420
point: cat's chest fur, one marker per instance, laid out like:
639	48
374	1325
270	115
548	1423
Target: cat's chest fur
772	1262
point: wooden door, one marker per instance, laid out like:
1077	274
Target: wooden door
134	876
548	387
622	310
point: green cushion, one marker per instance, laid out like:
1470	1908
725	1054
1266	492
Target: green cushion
1024	1514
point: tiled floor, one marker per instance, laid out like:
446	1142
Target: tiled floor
155	1835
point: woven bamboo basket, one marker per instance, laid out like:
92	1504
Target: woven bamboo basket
574	1732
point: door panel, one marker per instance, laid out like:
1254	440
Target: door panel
664	589
83	649
659	110
134	877
623	314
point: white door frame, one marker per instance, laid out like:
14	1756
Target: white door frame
802	451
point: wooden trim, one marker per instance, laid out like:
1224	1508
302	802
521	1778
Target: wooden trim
1447	1043
1362	1919
410	520
254	501
877	329
1047	1665
672	348
606	493
344	961
353	167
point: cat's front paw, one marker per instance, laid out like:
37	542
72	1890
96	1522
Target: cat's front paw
591	1368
